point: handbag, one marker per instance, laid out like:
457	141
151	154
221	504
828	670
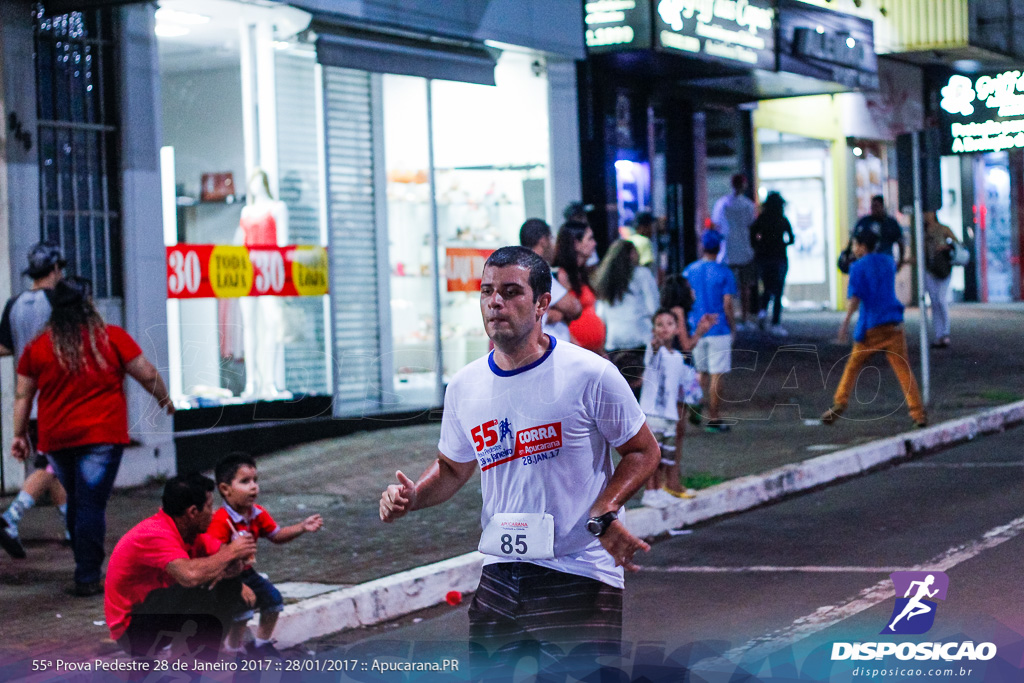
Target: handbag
959	255
845	259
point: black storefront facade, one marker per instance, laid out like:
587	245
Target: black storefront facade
667	95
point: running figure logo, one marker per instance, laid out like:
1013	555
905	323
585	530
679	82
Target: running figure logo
914	613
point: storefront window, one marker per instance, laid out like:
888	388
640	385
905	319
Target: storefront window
490	151
243	206
490	160
798	168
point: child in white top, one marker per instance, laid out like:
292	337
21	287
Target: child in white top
668	385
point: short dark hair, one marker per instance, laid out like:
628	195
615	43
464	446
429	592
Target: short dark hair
878	198
533	231
540	273
738	181
184	491
643	218
228	466
663	311
868	238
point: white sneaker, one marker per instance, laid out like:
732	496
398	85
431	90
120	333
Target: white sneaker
778	331
746	326
654	498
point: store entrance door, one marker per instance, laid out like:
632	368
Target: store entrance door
996	250
798	169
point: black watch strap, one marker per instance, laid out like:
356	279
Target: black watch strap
599	525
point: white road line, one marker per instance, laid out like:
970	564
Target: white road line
961	465
825	617
679	569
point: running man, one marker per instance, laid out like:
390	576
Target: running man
915	606
536	417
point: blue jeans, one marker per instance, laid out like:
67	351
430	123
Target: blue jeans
87	474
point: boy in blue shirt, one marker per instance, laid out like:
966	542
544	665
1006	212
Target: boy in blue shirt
872	289
713	287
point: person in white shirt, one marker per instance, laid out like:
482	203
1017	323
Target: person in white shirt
733	215
536	236
538	418
627	297
669	385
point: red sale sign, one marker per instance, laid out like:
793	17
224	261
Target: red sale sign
227	271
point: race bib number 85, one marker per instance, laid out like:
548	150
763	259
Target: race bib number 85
519	536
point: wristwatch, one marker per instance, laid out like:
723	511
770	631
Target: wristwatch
599	525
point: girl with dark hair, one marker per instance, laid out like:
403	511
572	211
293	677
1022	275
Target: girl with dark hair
628	298
574	246
770	235
77	365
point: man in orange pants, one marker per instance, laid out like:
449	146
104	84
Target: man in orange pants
872	289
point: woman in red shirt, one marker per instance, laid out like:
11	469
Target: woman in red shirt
77	365
573	247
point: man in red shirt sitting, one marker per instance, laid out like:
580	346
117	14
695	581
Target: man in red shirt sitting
166	572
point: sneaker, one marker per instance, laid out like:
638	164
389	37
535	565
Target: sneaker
687	493
653	498
265	651
717	427
762	319
9	540
778	331
922	423
693	414
87	590
832	414
746	326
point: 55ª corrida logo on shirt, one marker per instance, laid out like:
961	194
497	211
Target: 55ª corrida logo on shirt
532	445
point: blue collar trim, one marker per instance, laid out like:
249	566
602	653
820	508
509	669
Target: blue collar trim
509	373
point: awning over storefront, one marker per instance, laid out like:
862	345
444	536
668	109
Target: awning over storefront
65	6
405	54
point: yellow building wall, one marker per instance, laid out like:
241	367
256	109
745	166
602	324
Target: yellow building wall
818	117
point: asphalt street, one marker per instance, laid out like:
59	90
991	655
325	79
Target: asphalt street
765	595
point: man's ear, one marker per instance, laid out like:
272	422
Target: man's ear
543	302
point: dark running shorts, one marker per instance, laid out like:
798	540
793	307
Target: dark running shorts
519	600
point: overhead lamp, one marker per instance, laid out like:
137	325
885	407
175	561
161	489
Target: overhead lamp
857	151
170	31
173	16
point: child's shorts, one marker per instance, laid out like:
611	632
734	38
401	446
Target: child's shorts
713	355
268	598
665	433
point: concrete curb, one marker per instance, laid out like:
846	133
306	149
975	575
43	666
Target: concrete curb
394	596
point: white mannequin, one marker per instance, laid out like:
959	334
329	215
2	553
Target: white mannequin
264	222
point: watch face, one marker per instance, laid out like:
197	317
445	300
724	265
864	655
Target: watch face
595	527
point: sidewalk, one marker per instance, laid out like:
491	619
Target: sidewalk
774	390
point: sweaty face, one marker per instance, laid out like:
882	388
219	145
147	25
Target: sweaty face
665	328
243	489
507	305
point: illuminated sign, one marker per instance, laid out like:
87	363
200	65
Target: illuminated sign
983	114
734	31
617	25
827	45
221	271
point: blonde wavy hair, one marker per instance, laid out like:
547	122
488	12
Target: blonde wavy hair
77	330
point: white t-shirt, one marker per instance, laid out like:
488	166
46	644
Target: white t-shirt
733	215
668	381
628	322
561	328
542	436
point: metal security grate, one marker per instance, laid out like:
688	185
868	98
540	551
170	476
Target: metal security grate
353	237
79	188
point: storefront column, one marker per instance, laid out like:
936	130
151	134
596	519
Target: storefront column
564	175
145	262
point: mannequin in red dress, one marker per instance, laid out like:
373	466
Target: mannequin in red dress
264	222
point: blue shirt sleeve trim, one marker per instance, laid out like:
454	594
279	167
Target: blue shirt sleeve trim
509	373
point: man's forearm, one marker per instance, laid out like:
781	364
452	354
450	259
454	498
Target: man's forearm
440	482
633	470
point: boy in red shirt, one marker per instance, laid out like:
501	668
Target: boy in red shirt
238	483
